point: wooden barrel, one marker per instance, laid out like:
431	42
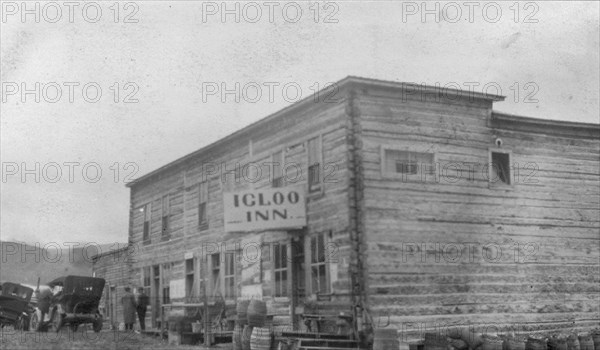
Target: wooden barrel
386	338
260	339
491	343
242	311
557	343
514	343
238	331
246	335
572	342
257	313
586	342
536	343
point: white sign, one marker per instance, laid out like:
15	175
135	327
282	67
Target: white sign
264	209
177	289
253	291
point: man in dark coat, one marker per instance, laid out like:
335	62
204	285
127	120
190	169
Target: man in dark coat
142	305
128	301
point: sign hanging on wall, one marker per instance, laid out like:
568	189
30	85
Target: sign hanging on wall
177	289
265	209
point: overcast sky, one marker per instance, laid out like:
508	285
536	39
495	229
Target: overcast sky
542	55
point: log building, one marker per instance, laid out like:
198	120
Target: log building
114	267
385	201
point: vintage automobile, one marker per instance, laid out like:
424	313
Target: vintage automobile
14	305
71	300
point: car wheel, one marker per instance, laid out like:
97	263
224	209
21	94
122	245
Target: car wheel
97	325
22	324
57	321
35	322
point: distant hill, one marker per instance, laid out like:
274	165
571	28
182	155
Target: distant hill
24	263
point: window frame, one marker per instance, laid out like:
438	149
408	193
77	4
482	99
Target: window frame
280	253
499	183
277	181
203	205
318	187
165	281
229	257
147	279
147	225
190	291
165	221
215	283
318	264
419	176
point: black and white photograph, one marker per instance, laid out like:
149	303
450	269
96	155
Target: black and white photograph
299	175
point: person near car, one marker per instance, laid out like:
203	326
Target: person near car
128	301
142	301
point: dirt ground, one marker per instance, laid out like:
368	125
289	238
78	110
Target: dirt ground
87	339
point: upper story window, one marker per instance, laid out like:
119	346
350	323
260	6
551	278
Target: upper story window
407	162
166	213
278	160
314	164
147	209
202	205
499	167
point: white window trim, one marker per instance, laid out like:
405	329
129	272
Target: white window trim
499	184
203	226
405	177
272	170
321	188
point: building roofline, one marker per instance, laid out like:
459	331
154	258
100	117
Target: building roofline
344	84
95	257
545	126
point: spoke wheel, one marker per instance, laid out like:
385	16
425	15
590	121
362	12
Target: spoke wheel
35	323
57	321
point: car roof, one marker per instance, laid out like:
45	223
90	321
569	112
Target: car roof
67	279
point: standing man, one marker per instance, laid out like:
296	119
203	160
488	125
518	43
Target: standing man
128	301
142	304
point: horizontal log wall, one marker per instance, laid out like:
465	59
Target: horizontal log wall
326	212
114	267
433	245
